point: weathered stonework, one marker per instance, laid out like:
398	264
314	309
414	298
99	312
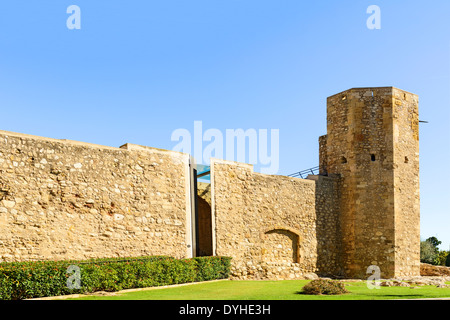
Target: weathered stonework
274	226
364	213
70	200
372	144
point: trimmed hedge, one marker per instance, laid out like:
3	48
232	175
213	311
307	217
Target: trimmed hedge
24	280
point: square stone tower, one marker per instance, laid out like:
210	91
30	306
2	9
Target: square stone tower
372	144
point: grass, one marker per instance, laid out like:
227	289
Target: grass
271	290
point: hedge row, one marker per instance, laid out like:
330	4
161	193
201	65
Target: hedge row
23	280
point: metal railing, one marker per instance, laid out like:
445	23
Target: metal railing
304	173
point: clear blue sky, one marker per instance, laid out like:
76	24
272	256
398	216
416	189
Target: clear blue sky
138	70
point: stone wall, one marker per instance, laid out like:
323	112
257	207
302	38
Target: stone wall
323	160
70	200
367	127
406	182
269	224
429	270
328	230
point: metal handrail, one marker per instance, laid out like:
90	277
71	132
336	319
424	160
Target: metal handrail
306	172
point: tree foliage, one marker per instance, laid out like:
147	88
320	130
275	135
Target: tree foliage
430	253
427	252
435	242
441	258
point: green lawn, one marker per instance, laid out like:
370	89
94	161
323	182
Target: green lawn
272	290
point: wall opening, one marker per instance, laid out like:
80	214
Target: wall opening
281	245
204	230
372	157
203	213
343	160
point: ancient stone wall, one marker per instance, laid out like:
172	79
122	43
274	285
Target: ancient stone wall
269	224
366	148
406	182
328	231
323	160
70	200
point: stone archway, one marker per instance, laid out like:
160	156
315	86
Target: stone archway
281	245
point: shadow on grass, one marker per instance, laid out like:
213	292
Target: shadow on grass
408	297
322	295
365	296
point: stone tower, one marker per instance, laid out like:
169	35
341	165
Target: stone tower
372	144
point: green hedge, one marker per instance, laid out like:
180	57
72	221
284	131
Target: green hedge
23	280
